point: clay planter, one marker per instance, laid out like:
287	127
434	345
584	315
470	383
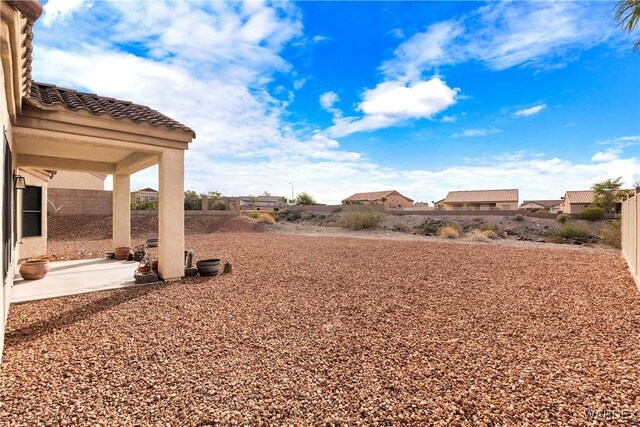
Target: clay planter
122	253
208	267
34	269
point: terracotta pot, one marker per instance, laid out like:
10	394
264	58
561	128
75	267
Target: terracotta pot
208	267
122	252
145	269
34	269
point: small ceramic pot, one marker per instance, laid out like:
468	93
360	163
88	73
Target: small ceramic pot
34	269
122	253
208	267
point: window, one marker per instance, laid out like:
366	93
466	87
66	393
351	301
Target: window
32	211
7	191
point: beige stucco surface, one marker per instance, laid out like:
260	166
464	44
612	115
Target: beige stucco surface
77	180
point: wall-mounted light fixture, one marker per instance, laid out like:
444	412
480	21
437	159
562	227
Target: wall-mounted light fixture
19	182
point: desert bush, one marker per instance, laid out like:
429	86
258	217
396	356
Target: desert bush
568	231
592	213
519	217
266	218
448	232
574	231
491	234
398	226
360	220
253	214
488	227
562	218
336	210
308	215
611	234
478	236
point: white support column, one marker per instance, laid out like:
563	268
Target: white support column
121	211
171	215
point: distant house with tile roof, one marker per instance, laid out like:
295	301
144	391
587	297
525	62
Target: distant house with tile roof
577	201
479	200
553	206
390	198
145	195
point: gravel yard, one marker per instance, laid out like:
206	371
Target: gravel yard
314	330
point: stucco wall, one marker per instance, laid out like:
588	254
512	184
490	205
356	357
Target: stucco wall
513	205
65	201
395	200
575	208
76	180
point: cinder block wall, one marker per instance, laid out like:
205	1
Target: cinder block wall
66	201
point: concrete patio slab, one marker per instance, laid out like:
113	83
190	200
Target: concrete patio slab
75	277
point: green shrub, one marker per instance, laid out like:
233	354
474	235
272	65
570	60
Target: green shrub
574	231
519	217
360	220
562	218
336	210
448	232
489	227
253	214
592	213
611	234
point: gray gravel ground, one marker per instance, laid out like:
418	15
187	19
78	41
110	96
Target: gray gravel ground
336	331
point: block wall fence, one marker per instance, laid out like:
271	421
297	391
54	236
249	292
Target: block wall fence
631	236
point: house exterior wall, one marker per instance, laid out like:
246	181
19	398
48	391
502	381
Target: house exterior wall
398	201
35	245
575	208
143	196
77	180
509	205
6	285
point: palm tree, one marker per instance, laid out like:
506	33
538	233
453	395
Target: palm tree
628	16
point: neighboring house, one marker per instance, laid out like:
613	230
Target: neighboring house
145	195
480	200
77	180
254	202
553	206
47	129
577	201
390	199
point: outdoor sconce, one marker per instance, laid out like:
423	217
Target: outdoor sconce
19	182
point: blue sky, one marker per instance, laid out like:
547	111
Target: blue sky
340	97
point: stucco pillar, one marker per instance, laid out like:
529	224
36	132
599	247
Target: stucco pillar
171	215
121	211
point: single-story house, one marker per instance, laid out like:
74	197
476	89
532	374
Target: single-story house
48	129
480	200
145	195
577	201
553	206
390	199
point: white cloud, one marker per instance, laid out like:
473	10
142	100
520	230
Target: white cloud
299	83
505	35
55	11
472	133
448	119
605	156
527	112
418	100
392	102
328	99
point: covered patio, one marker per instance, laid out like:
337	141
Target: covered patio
75	277
63	129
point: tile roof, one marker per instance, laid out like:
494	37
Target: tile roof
372	196
545	203
482	196
47	96
146	190
582	197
